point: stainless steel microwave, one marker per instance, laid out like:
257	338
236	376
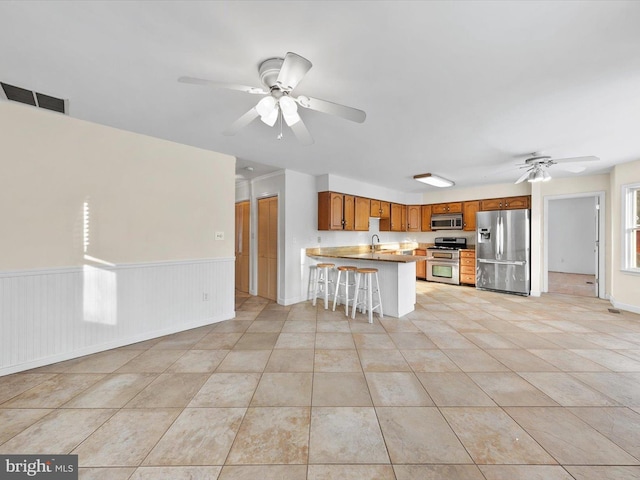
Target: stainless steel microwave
447	222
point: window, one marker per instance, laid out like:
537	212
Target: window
632	227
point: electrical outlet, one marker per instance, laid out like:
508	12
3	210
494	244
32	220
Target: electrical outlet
319	239
219	235
205	297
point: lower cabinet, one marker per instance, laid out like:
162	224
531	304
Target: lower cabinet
468	267
421	267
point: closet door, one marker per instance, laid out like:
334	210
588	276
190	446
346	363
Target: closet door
268	248
242	246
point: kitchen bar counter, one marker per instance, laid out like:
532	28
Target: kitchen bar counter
380	256
397	273
388	252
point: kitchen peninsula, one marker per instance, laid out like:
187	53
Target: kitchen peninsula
396	266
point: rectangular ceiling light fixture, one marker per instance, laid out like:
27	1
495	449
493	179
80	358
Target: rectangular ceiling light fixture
434	180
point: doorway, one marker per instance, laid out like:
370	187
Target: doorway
268	248
242	246
574	263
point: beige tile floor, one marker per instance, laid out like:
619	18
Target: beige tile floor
472	385
572	284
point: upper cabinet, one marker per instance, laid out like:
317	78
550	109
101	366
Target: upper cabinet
330	211
507	203
385	209
414	215
338	211
380	209
348	212
440	208
426	218
393	222
469	210
374	208
362	214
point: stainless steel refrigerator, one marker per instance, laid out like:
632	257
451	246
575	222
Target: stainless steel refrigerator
503	249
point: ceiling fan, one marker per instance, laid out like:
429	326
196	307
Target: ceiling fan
280	76
536	166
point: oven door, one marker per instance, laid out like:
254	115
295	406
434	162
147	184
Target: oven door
443	271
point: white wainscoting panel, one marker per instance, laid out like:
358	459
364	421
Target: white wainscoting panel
47	316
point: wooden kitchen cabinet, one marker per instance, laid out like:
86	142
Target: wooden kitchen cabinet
393	221
348	212
469	210
468	267
514	203
330	210
362	212
443	208
385	209
506	203
374	210
403	218
425	211
414	215
380	209
421	267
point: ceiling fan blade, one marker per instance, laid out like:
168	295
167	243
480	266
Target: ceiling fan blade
242	122
573	168
301	132
331	108
576	159
575	164
229	86
523	177
293	69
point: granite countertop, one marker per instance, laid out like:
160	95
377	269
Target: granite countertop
382	257
383	252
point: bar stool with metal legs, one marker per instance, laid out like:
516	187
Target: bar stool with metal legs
366	275
322	282
348	285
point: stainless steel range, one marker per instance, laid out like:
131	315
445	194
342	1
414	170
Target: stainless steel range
443	260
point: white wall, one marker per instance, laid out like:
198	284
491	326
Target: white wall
300	232
335	183
625	286
152	265
150	199
571	235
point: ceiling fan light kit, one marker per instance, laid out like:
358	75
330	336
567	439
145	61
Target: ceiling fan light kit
537	164
538	175
281	76
434	180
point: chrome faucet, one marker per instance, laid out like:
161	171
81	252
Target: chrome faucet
373	247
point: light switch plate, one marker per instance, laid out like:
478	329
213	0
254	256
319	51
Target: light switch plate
219	235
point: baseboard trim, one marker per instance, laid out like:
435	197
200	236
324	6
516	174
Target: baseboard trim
624	306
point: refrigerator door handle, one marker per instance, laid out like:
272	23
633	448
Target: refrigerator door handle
497	240
502	262
501	236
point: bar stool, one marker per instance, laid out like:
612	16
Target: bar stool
367	290
347	285
322	282
311	285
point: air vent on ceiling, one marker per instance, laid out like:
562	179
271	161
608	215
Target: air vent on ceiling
36	99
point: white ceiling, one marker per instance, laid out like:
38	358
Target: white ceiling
461	89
